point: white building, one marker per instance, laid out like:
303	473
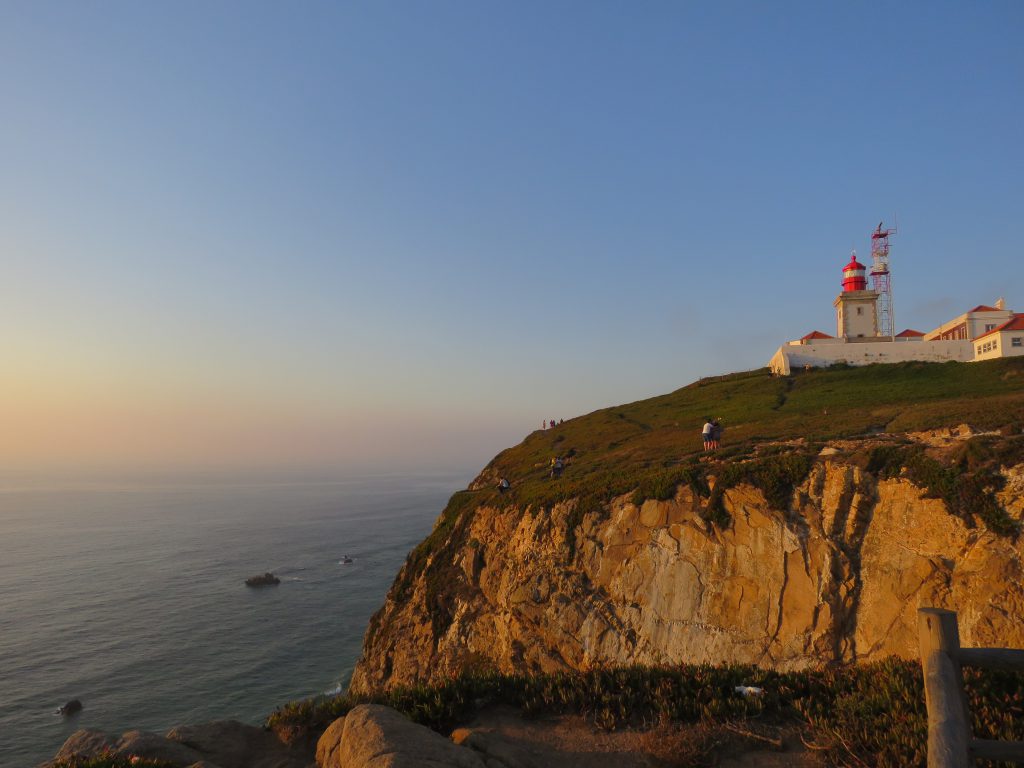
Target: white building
982	333
971	325
1006	340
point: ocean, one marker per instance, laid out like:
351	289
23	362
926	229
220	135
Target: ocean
130	595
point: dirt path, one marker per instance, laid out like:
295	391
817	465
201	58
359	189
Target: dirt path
573	742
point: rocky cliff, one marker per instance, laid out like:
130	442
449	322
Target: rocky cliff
830	569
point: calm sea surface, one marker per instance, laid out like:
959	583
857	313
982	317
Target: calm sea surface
130	596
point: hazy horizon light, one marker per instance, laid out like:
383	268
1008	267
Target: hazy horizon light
400	235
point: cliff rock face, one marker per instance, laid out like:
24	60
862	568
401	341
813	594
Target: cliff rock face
837	577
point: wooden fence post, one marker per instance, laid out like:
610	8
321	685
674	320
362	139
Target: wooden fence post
949	724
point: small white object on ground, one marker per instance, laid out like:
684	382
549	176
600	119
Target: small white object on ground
749	690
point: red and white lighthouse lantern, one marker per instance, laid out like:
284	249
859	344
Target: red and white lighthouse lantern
854	275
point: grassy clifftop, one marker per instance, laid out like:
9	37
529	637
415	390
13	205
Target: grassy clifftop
818	405
643	444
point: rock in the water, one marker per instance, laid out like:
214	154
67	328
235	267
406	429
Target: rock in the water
266	580
72	707
379	737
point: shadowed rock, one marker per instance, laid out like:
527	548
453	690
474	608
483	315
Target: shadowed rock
71	708
266	580
224	744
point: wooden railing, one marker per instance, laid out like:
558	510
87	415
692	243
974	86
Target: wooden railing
950	741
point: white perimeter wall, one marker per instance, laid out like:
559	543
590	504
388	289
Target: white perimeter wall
795	357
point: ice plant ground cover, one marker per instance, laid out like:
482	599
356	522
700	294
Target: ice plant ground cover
871	715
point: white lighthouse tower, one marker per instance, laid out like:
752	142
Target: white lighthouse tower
856	315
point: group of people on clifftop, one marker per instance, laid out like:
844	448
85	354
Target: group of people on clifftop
712	434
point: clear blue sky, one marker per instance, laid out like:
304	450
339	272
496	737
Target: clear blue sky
351	233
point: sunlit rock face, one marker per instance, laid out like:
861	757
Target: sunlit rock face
838	577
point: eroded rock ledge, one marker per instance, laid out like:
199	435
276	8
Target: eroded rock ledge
837	577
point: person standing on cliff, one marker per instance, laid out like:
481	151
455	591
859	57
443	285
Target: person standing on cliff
716	434
706	433
557	466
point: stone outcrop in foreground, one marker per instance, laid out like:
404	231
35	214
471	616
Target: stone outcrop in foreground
222	744
374	736
370	736
838	577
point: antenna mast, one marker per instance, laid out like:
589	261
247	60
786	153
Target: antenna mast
881	280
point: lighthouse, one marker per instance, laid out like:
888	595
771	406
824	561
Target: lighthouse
856	306
864	322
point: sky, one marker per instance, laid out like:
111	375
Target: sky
362	235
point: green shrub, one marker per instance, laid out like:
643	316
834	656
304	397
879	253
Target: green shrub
876	712
967	486
662	486
776	476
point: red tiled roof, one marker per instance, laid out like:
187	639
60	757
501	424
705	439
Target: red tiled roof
816	335
984	308
908	333
1015	323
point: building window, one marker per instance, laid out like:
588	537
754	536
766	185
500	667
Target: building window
989	327
979	349
1017	342
860	310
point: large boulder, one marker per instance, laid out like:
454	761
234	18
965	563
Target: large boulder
329	744
375	736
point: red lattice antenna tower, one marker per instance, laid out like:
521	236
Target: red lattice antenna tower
881	280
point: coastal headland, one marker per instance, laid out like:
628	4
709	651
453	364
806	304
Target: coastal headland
650	581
